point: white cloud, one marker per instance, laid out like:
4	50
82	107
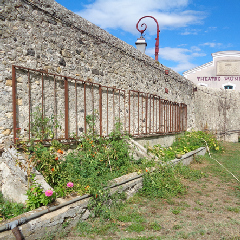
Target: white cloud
191	32
184	66
181	56
124	14
212	44
211	29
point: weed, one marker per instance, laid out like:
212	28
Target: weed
170	201
155	226
183	235
42	127
233	209
136	227
197	208
177	227
84	228
176	210
102	201
199	159
144	238
165	181
184	204
202	232
199	203
65	224
95	228
10	209
131	216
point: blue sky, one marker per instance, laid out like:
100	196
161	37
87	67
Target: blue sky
191	30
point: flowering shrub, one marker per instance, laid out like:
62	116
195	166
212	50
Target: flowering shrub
47	161
87	169
48	193
70	184
187	142
36	196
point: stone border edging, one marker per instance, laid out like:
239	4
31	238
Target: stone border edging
187	158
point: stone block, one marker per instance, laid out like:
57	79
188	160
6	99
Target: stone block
9	114
19	102
20	79
59	70
9	83
6	132
66	53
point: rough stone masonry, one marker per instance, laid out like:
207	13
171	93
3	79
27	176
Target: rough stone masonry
41	34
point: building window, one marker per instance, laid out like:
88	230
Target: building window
228	87
202	84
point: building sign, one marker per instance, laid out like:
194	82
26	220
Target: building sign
214	79
228	68
221	73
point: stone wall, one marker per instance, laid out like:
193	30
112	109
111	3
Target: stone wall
217	111
41	34
45	35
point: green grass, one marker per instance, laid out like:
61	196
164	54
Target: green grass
10	209
229	159
86	229
155	226
136	227
144	238
233	209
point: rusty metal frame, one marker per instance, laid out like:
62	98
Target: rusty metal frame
147	113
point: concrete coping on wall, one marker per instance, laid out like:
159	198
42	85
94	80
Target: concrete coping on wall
40	222
187	158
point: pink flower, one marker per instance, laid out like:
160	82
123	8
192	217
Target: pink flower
70	184
49	193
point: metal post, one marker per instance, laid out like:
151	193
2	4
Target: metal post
157	39
85	107
14	104
100	109
66	106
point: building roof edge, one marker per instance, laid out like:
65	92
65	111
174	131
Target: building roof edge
198	68
226	53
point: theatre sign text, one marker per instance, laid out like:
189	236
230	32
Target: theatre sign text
222	72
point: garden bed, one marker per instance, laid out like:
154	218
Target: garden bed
67	212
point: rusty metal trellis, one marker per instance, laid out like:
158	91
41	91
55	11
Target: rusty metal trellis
69	101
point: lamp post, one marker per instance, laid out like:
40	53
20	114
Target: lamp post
157	39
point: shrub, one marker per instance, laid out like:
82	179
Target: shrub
187	142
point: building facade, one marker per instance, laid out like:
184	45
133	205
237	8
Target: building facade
221	73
